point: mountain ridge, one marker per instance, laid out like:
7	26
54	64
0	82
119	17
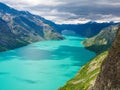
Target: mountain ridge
19	28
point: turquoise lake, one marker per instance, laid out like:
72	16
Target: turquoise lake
44	65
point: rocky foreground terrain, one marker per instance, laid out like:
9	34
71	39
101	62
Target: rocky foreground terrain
109	77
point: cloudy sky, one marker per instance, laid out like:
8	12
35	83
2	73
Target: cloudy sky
71	11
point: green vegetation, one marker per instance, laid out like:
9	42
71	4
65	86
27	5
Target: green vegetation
86	77
102	41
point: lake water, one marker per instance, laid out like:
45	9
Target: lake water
44	65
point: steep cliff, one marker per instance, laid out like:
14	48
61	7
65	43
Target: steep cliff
109	77
102	41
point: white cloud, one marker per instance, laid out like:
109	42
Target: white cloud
31	3
70	12
109	19
73	21
27	4
109	3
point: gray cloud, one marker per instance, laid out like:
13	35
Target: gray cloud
73	11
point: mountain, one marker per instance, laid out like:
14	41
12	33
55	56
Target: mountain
109	76
19	28
89	29
102	72
102	41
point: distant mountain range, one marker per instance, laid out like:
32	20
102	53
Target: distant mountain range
19	28
86	30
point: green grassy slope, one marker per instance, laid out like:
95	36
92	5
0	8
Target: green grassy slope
87	75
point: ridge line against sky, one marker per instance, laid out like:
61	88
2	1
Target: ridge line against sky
72	11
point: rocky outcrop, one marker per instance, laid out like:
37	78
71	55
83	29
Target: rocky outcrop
109	77
19	28
102	41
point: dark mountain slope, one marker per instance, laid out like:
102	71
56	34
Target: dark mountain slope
19	28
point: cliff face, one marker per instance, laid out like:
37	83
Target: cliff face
102	41
109	77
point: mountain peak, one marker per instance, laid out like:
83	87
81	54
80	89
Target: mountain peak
6	9
4	6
